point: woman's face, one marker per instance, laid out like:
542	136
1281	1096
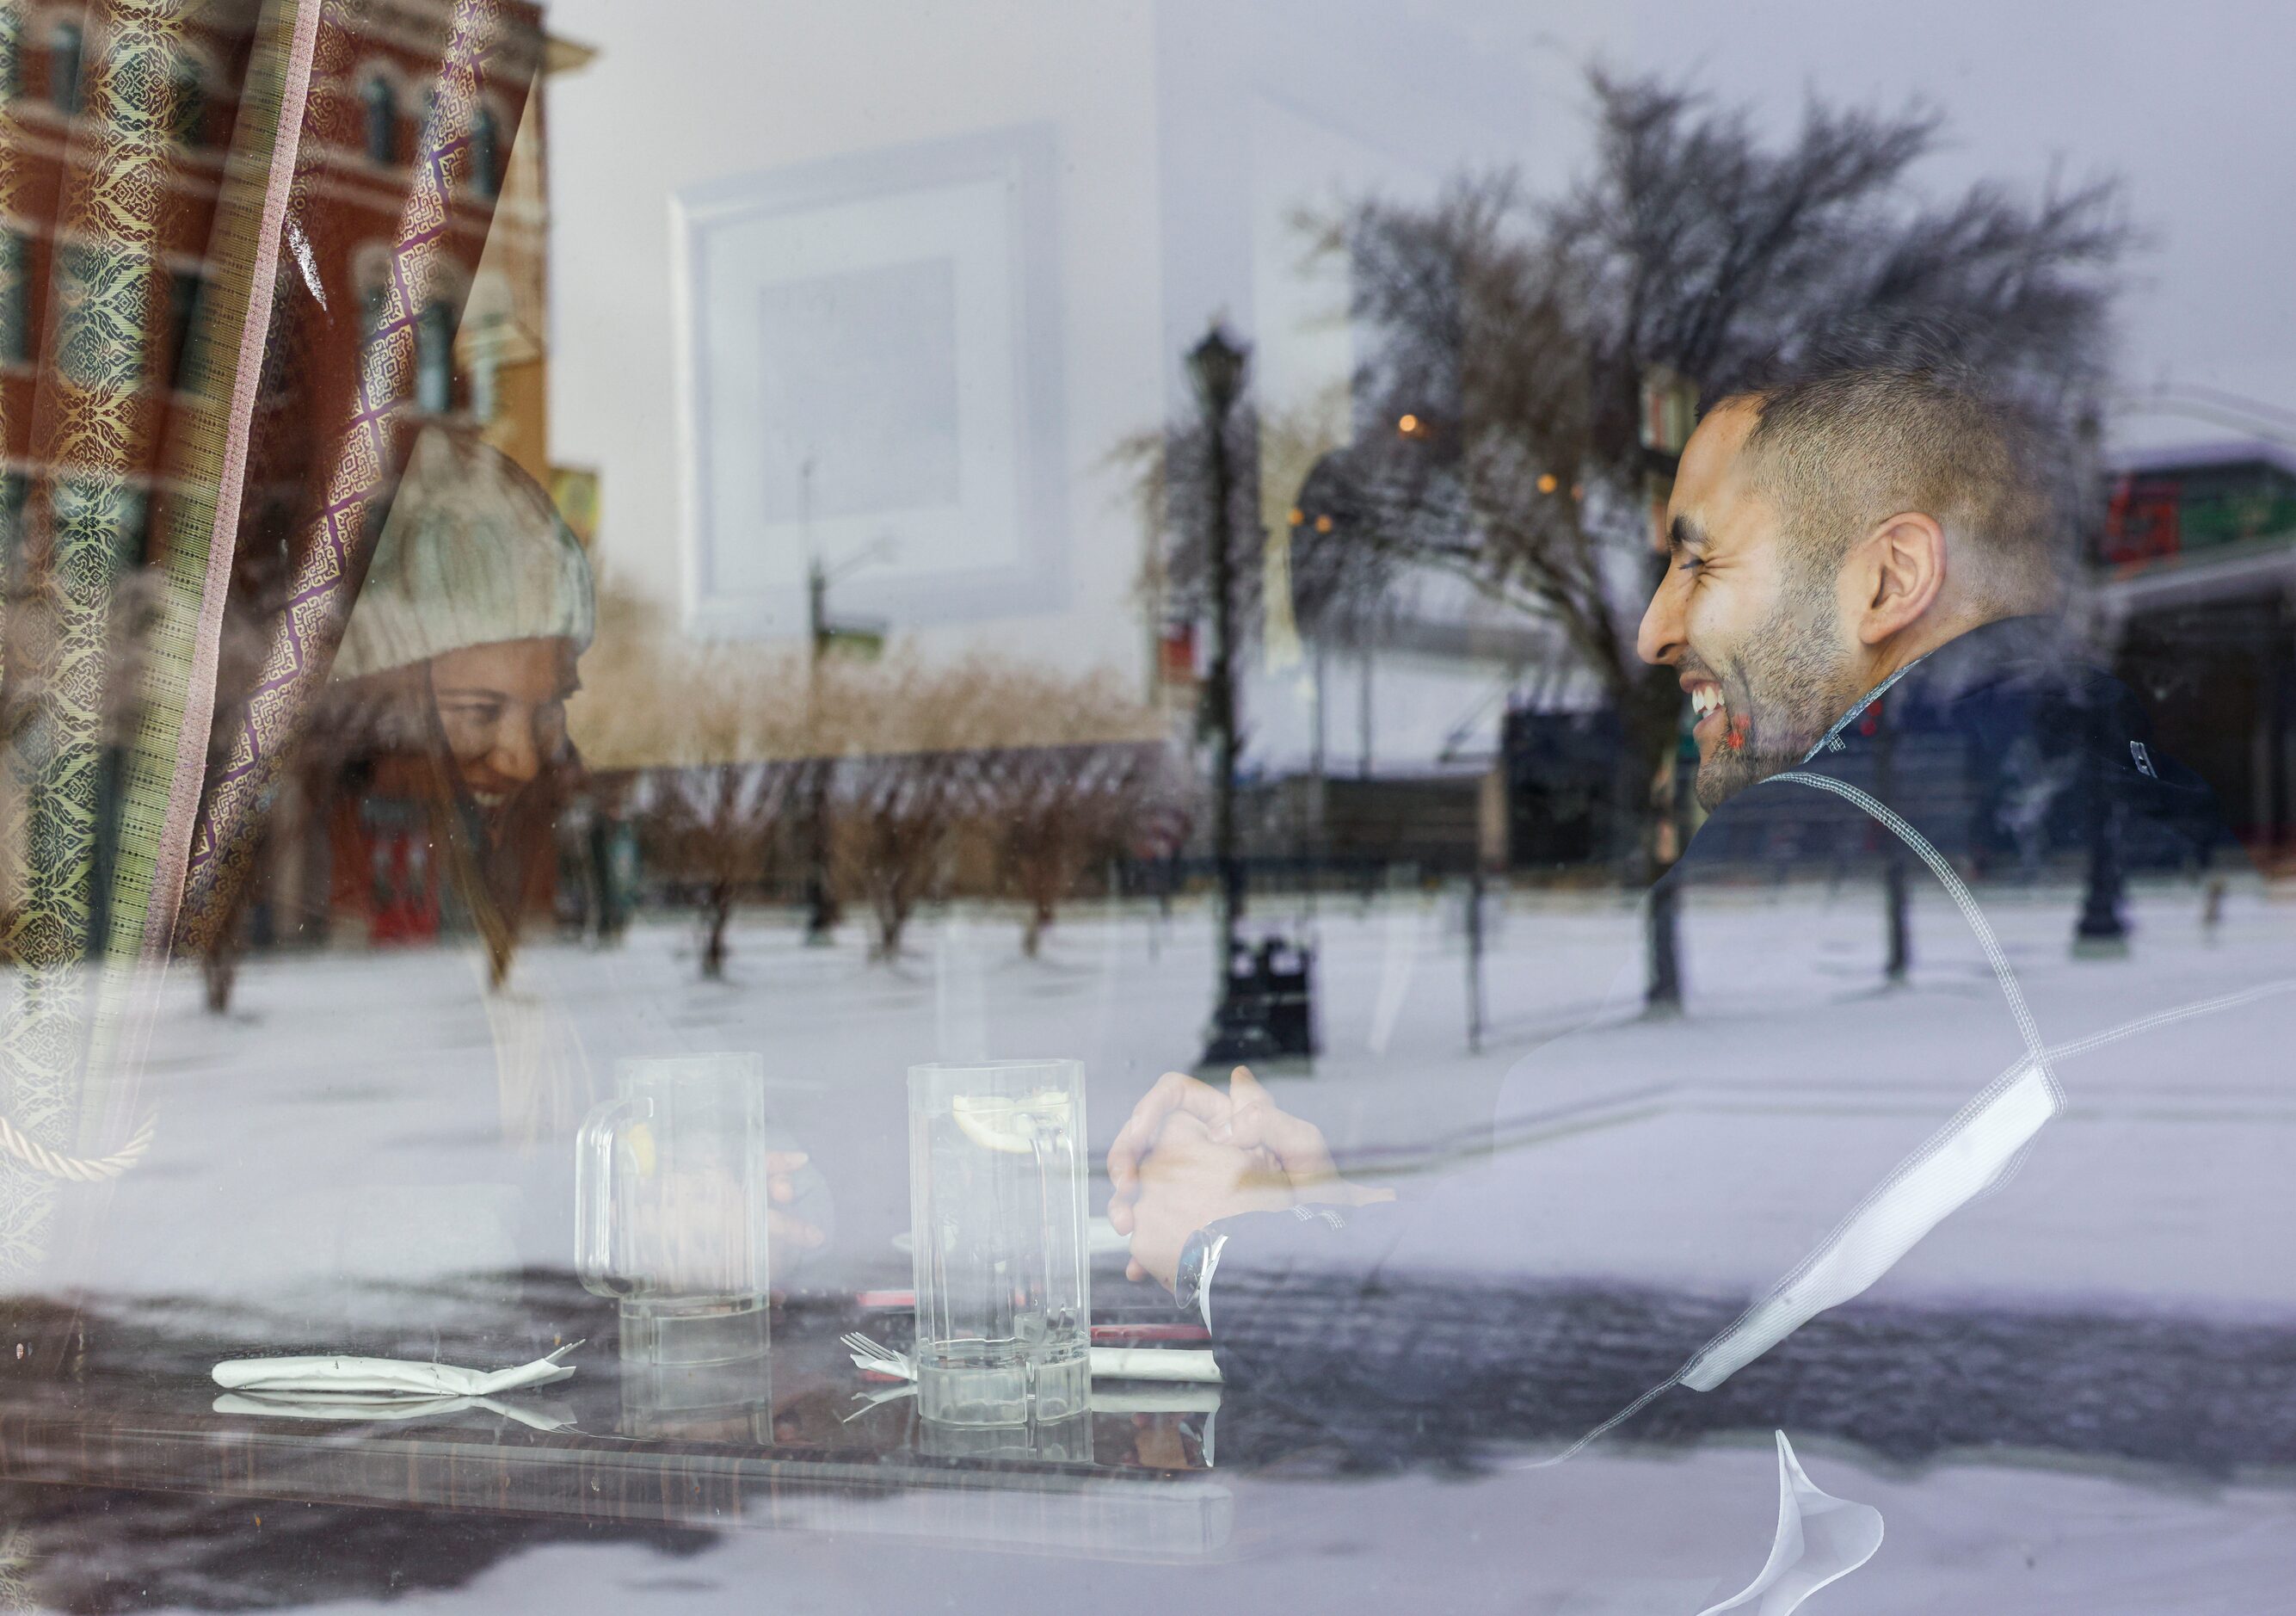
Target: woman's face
504	711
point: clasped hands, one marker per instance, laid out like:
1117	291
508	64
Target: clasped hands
1190	1155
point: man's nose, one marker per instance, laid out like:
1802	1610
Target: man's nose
1660	637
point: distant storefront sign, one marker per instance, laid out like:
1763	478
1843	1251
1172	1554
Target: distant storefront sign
2172	511
1177	656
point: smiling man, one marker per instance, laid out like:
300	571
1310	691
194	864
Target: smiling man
1855	602
1826	537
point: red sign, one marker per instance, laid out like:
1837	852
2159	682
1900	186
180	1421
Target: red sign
2140	523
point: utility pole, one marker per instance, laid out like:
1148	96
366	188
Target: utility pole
1669	408
823	634
1216	366
1475	955
820	901
2100	933
1899	958
1363	716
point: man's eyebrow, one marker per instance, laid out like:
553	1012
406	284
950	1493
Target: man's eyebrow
1684	534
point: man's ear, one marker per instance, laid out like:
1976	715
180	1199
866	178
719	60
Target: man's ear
1896	575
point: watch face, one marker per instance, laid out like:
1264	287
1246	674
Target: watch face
1190	1277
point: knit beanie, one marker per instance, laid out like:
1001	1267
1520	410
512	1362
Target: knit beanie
473	553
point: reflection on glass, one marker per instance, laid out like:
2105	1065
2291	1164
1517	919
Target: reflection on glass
1064	1441
936	647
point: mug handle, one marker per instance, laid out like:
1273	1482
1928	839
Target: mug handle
593	1199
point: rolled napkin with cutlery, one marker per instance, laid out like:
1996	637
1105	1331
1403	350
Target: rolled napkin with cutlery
333	1375
308	1406
1108	1363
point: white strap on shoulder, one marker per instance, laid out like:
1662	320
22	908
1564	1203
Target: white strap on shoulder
1974	1152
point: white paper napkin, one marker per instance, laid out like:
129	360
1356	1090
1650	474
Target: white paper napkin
1153	1363
383	1378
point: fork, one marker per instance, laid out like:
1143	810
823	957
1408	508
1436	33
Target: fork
869	1354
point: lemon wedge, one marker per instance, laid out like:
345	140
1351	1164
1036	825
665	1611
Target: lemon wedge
1011	1125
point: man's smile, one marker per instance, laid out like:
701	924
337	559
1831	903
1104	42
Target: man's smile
1706	702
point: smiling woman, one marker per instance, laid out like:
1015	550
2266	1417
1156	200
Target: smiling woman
450	693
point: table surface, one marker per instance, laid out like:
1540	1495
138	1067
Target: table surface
786	1442
119	1446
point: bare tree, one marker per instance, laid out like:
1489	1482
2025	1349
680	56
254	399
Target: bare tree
894	813
1060	809
1067	796
915	736
712	829
1512	337
721	731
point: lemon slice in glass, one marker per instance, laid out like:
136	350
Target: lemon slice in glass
1011	1125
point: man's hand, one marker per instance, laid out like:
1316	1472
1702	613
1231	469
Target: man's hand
1190	1180
1257	1123
1176	1094
1244	1117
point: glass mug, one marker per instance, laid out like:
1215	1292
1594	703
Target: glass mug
997	1206
671	1207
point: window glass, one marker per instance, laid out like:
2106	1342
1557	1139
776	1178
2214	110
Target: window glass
64	68
16	319
191	109
381	105
434	358
183	326
485	153
1218	805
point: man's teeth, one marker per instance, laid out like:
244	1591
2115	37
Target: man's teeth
1705	698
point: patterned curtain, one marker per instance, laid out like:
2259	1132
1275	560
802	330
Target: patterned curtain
214	258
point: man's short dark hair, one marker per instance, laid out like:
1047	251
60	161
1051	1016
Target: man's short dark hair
1842	451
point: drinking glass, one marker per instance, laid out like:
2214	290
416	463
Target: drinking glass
1046	1442
996	1204
671	1208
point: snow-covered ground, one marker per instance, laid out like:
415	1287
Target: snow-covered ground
376	1069
340	1126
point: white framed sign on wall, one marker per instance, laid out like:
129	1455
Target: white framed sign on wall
870	377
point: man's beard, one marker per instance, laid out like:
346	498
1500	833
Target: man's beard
1791	683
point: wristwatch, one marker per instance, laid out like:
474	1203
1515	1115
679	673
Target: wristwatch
1197	1259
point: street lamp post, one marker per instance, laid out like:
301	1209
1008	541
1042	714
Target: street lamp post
1216	367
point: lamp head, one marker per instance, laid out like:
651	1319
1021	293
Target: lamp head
1216	365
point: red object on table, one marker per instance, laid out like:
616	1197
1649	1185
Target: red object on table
1111	1335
